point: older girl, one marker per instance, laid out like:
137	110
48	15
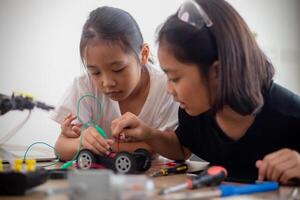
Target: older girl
232	112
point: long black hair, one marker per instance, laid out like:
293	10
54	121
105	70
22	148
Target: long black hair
112	25
245	72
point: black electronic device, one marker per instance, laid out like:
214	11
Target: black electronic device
17	183
20	102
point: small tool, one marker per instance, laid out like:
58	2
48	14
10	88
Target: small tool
212	176
58	173
180	168
226	190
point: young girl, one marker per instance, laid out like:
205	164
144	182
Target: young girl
120	77
232	113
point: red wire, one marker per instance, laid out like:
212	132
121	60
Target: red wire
170	164
118	144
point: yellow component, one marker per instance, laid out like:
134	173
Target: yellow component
164	172
181	168
18	165
30	165
1	165
25	95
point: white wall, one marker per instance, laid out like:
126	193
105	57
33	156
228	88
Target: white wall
278	27
39	47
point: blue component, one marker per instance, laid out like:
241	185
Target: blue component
227	190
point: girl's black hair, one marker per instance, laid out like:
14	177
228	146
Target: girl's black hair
244	71
112	25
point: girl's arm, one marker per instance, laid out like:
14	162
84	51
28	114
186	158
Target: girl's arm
66	147
167	145
163	143
131	146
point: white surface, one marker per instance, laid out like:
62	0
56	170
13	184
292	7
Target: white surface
195	166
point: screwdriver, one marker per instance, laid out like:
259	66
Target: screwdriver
180	168
226	190
213	176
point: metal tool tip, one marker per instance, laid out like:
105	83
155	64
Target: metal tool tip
155	174
162	192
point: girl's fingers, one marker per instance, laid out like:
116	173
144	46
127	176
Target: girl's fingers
101	141
69	118
262	170
124	123
258	163
294	170
76	130
265	165
281	156
116	121
274	165
78	125
87	145
280	168
289	174
110	141
71	134
94	138
93	144
122	136
118	126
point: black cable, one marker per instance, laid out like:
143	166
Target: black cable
20	102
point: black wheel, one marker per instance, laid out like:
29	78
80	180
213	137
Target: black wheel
86	159
125	163
144	159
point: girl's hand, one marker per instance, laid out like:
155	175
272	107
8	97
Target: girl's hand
280	166
93	141
68	129
129	128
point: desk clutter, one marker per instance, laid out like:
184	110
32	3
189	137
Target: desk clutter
213	177
101	183
22	176
104	184
84	184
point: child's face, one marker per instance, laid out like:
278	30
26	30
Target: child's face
113	71
185	83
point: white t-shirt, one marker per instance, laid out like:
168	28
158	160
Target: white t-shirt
159	110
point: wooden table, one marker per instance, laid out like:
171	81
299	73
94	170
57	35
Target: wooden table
45	190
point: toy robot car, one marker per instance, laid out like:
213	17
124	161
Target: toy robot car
121	162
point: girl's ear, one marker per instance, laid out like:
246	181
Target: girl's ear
215	70
144	55
213	78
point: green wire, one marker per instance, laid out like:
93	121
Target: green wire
70	162
91	122
87	124
56	153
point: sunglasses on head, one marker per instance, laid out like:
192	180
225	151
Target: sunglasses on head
191	12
